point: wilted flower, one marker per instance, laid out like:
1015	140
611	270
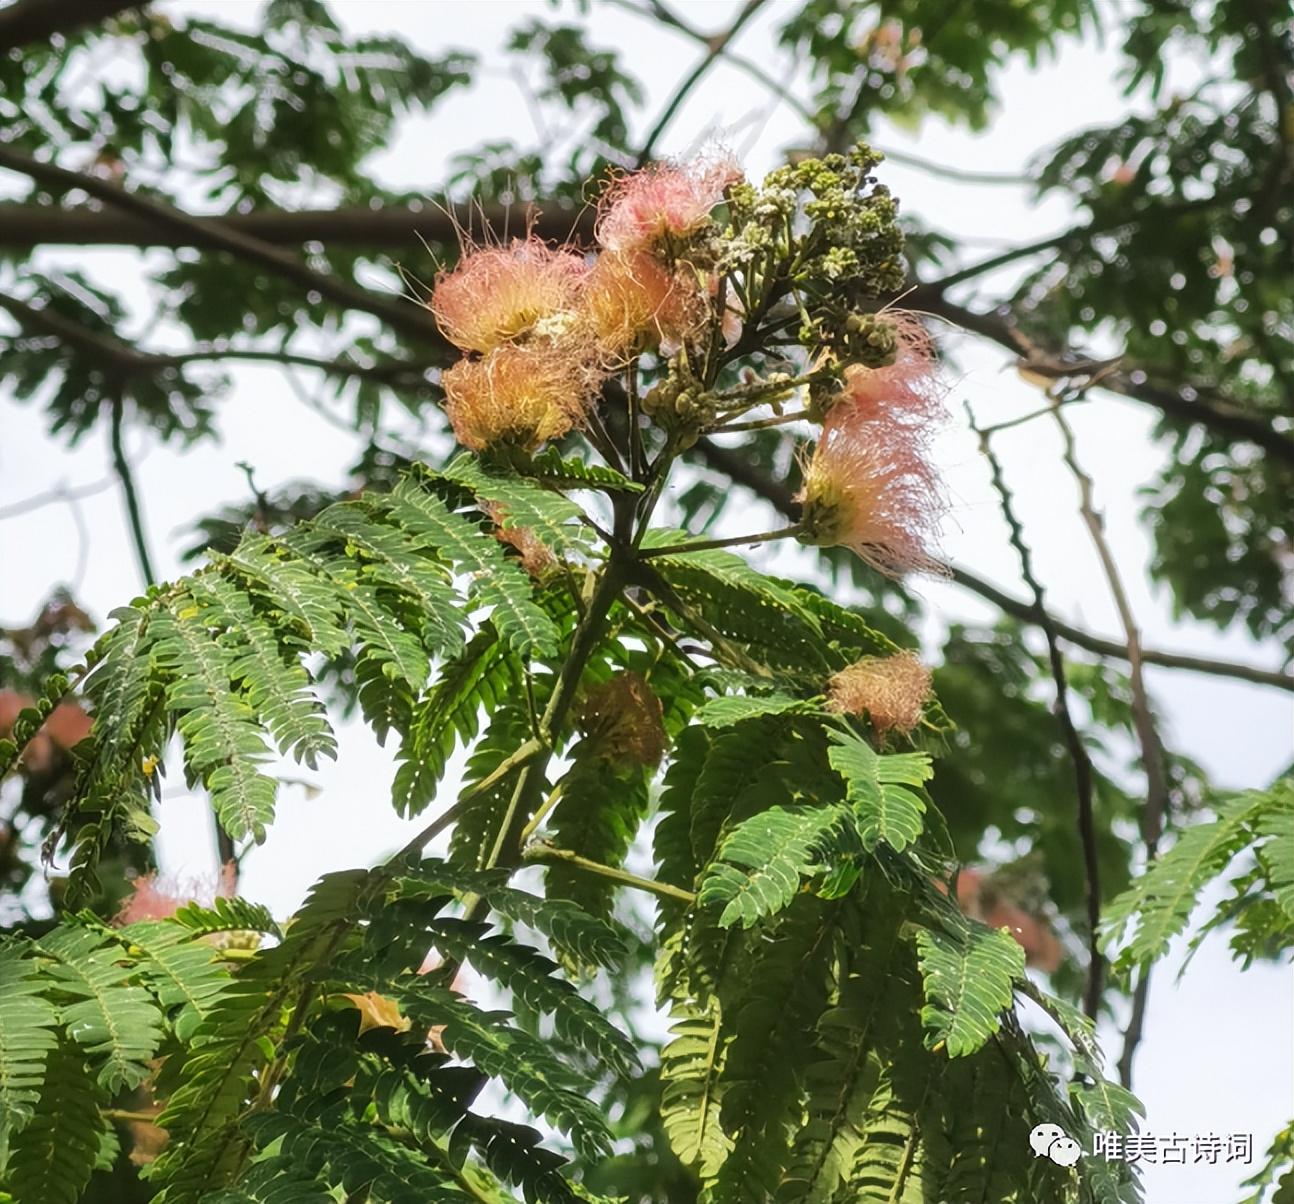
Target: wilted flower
869	487
521	395
889	690
631	299
498	294
664	199
535	557
625	719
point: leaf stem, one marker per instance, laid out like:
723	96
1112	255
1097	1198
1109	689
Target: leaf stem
554	797
543	852
759	424
524	754
706	545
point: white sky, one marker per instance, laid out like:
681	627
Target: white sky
1218	1055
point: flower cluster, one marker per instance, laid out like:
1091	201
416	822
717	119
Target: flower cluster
542	327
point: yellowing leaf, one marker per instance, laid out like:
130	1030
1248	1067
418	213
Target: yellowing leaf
377	1011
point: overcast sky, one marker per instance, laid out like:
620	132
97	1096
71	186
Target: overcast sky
1218	1053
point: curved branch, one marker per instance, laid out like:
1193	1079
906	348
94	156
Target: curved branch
411	319
29	21
1209	408
715	47
733	464
1083	773
121	466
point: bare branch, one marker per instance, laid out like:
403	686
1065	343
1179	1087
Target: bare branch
1208	408
410	319
29	21
1078	754
715	47
735	465
1152	751
62	493
24	225
121	465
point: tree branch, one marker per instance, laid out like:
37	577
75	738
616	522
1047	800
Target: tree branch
1028	612
715	47
27	21
23	225
551	854
1217	412
404	316
122	468
1152	750
1078	754
735	465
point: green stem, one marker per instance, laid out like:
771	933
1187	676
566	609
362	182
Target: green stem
526	753
759	424
706	545
551	854
507	842
554	797
122	468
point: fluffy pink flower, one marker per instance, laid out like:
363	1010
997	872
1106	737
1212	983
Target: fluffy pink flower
521	395
154	898
640	208
908	391
498	294
870	488
632	300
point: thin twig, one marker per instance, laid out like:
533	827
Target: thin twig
122	468
404	316
62	493
716	46
1078	754
1152	751
552	855
706	545
545	808
733	463
759	424
522	756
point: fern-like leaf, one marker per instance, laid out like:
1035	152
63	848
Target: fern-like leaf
270	674
479	679
525	1065
731	710
550	517
530	977
762	861
603	804
495	581
571	931
55	1153
182	973
690	1101
117	1025
222	740
969	983
1158	905
27	1022
880	789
